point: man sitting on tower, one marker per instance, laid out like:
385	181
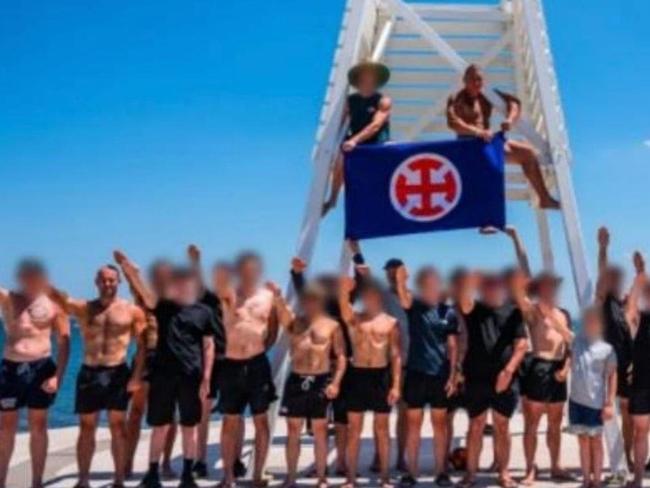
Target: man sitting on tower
368	111
468	114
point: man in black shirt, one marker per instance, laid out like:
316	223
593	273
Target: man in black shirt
496	343
180	375
609	296
368	112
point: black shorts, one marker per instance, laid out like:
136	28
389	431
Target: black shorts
102	388
481	396
168	392
421	389
304	396
639	401
215	379
21	384
340	405
367	390
246	383
540	385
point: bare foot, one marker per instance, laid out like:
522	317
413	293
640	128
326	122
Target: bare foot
530	478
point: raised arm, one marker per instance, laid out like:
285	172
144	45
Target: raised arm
379	119
346	286
403	294
603	245
134	278
523	301
632	302
298	267
194	256
520	249
284	314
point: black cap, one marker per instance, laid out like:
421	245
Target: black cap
393	263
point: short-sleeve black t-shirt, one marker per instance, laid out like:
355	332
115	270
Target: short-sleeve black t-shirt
491	334
211	300
641	354
617	331
181	329
429	327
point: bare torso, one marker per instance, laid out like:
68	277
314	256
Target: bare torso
370	337
545	341
311	345
474	111
28	326
107	332
247	325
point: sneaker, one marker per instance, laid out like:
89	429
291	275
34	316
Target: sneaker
150	481
200	469
443	480
239	470
188	482
407	480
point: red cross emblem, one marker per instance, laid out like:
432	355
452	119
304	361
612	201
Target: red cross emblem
425	187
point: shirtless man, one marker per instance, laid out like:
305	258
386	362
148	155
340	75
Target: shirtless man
30	378
314	339
468	114
159	278
495	345
180	375
637	312
609	296
368	112
108	324
245	378
545	382
430	377
375	374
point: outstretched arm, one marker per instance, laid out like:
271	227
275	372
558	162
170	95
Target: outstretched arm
283	312
603	244
76	308
194	256
134	278
298	267
379	119
520	249
403	294
632	302
520	295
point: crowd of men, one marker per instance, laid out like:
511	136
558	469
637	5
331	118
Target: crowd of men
480	341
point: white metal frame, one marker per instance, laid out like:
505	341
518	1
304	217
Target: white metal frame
367	30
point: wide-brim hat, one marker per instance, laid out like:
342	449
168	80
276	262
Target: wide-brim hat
381	71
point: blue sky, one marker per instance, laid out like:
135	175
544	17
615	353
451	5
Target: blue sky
147	125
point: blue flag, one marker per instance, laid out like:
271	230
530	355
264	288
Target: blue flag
407	188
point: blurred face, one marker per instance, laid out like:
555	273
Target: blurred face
547	290
250	272
367	81
474	82
430	287
592	324
372	301
390	276
32	282
493	291
614	278
107	282
184	290
161	277
311	306
221	277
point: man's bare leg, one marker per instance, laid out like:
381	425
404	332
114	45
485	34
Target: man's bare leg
533	412
170	437
382	435
355	426
86	446
502	442
627	429
229	435
401	427
117	426
134	426
414	417
319	427
8	429
555	412
341	440
335	186
439	422
261	423
38	442
523	154
294	429
474	446
641	430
